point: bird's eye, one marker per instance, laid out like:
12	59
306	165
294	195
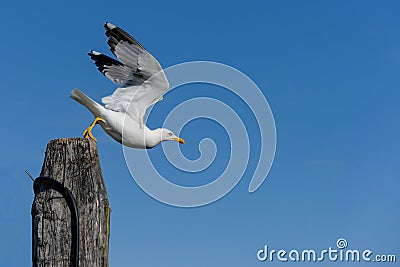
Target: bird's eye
170	134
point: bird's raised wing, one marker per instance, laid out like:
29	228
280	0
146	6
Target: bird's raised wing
140	77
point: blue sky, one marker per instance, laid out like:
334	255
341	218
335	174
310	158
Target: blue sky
330	72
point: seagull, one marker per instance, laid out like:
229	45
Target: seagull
141	82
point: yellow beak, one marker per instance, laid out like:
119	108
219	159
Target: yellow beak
180	140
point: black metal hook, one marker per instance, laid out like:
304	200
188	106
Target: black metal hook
59	187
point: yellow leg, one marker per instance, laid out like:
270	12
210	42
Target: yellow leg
88	132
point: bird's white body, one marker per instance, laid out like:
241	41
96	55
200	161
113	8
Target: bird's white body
127	131
121	127
142	83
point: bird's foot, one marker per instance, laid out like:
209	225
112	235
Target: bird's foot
88	132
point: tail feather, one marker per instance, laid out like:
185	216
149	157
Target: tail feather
94	107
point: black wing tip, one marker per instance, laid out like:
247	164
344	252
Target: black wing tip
116	34
102	60
93	53
109	26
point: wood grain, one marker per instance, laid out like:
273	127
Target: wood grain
75	163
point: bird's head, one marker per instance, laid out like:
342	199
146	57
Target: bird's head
168	135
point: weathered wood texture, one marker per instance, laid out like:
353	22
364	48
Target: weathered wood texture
75	163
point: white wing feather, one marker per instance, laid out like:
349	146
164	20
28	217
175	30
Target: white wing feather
140	76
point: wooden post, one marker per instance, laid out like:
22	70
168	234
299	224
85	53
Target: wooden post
74	162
